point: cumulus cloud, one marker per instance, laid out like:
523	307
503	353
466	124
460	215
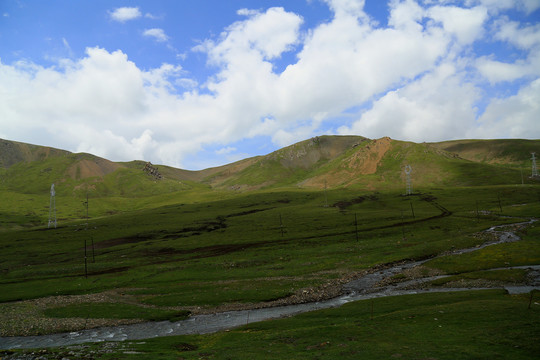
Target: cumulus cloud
465	24
495	6
419	76
225	150
515	117
527	39
413	113
124	14
157	34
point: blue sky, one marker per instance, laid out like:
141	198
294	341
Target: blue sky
196	84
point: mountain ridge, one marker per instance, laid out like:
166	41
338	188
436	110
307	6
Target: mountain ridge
318	162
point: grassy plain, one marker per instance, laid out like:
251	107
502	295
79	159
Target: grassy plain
217	251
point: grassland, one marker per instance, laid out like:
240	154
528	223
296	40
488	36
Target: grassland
257	248
154	250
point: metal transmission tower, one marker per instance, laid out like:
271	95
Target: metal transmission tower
52	208
534	168
408	171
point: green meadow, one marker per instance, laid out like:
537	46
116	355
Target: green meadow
155	250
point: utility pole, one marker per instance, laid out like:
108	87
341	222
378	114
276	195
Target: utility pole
534	168
325	195
408	170
86	203
85	251
402	226
52	208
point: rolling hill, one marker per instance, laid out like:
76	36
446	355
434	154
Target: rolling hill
354	162
513	152
332	161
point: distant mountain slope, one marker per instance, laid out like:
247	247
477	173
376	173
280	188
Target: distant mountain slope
12	152
288	166
31	169
324	161
343	161
500	151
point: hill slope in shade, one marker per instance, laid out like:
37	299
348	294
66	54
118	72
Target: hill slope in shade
515	152
12	152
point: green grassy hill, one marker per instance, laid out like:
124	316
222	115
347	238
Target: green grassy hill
12	152
344	161
27	172
513	152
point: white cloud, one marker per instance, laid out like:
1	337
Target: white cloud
247	12
345	62
465	24
268	34
526	39
406	15
225	150
438	106
347	7
157	34
522	37
418	73
527	6
100	103
124	14
513	117
152	16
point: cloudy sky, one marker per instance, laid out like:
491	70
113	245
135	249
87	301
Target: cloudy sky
196	84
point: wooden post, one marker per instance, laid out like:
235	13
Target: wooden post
412	210
500	206
356	226
93	253
402	225
281	225
85	261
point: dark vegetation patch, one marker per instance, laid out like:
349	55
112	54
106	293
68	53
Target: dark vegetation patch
185	347
343	204
120	241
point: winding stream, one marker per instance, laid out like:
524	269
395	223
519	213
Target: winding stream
359	289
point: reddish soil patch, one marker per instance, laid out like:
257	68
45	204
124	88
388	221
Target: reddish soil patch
86	168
